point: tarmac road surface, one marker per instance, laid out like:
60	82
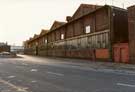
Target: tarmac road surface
37	74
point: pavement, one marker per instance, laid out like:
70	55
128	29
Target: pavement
43	74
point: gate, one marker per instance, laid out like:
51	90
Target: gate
121	53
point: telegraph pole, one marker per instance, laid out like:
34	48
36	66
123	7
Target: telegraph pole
112	2
105	2
123	5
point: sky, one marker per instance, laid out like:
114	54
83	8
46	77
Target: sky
21	19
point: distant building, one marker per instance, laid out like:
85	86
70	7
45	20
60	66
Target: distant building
17	49
4	47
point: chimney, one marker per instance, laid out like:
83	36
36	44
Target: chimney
68	18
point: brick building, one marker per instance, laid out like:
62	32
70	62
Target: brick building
4	47
35	43
92	32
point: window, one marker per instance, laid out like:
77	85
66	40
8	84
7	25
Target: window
87	29
62	36
36	43
45	40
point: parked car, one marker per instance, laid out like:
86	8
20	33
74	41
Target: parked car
7	54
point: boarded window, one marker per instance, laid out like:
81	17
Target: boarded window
45	41
62	36
87	29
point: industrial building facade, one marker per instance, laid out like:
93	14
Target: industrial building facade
93	32
131	24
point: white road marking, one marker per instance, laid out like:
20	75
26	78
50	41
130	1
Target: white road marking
75	66
24	88
33	70
24	64
58	74
33	81
126	85
10	77
21	89
20	80
6	91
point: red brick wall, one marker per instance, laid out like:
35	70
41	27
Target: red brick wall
70	30
102	19
131	23
78	26
53	36
102	53
89	20
63	31
57	33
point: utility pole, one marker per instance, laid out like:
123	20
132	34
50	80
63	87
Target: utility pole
105	2
112	2
123	5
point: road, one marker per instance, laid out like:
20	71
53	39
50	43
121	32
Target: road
36	74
